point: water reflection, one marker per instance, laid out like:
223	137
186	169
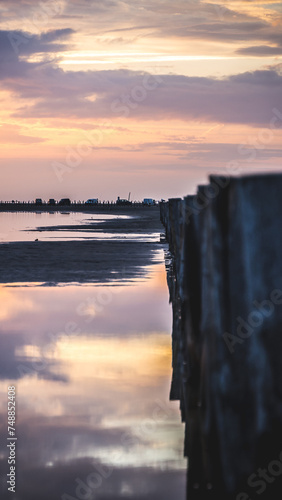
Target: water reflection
27	226
92	368
70	226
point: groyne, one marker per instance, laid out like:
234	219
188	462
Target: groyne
225	284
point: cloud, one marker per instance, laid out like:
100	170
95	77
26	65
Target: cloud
24	43
16	45
249	98
245	98
211	154
260	50
194	20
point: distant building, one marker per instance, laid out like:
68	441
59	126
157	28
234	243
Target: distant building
38	201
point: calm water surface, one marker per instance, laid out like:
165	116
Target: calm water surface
92	368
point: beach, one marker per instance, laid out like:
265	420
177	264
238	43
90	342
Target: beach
92	259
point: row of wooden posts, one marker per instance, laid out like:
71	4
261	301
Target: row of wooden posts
225	281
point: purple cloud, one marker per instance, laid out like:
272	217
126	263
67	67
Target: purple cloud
245	98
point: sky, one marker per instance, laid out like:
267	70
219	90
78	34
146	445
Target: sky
103	98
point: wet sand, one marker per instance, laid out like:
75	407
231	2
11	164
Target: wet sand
87	261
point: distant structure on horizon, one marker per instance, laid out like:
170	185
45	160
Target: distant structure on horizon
52	203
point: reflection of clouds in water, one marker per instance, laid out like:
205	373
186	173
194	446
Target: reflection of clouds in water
63	439
114	407
116	418
118	310
13	366
26	226
149	442
113	390
10	303
55	315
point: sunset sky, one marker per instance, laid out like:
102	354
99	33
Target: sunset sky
103	98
